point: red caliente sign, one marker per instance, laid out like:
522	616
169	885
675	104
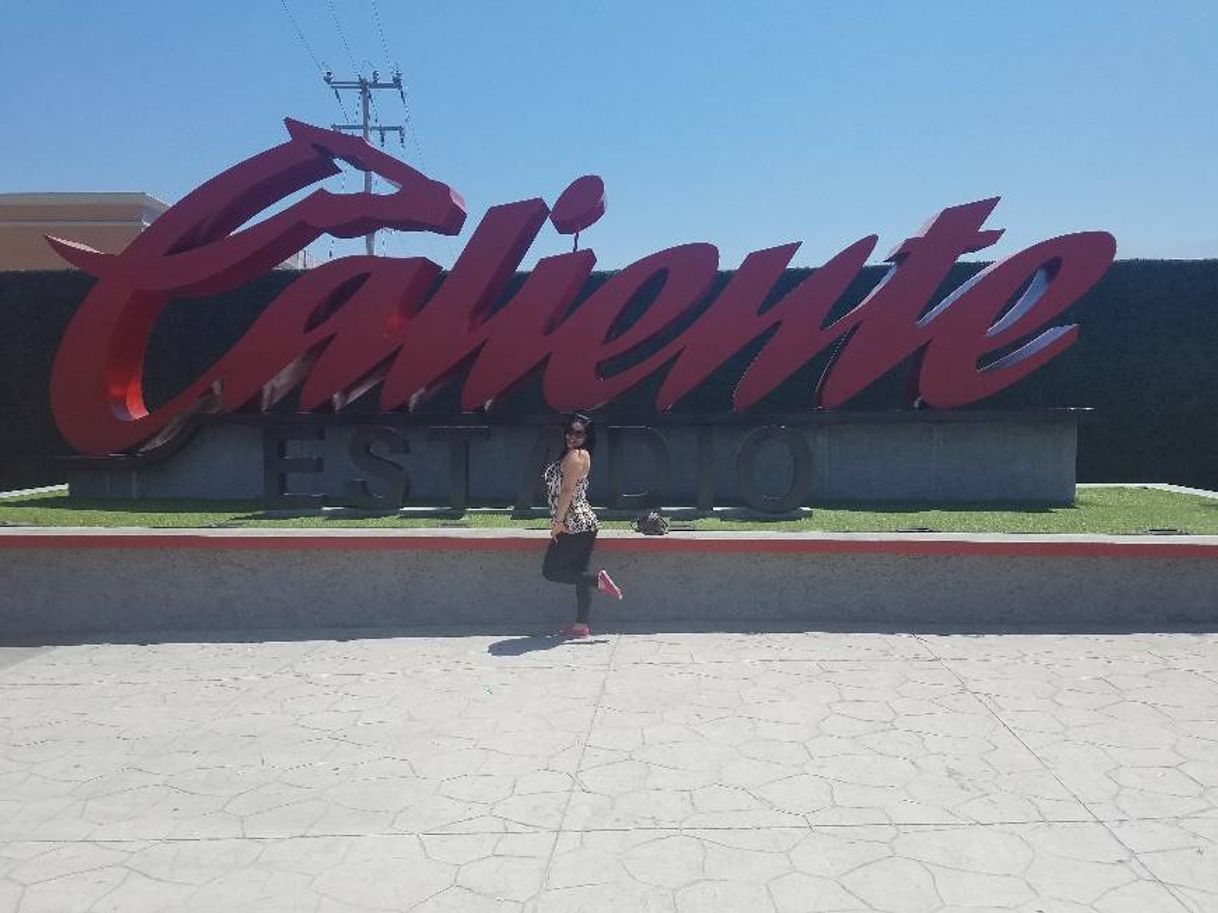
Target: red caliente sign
359	322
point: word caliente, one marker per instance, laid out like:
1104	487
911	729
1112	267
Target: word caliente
360	322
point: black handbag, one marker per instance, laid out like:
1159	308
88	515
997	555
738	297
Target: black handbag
651	523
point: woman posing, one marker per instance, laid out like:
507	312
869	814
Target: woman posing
574	527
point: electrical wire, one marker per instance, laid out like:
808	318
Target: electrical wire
304	42
342	188
380	30
409	125
414	134
343	35
299	34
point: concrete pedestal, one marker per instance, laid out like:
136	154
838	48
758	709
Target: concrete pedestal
864	457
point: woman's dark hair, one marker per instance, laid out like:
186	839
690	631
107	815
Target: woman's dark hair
589	432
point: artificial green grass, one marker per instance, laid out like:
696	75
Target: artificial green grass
1121	511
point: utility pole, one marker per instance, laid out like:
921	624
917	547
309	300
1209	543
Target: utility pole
366	87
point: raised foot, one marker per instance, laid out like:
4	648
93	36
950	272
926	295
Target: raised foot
605	584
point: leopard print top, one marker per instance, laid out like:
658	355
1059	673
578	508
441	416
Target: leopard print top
579	518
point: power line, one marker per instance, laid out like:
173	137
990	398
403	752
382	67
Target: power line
380	30
342	188
414	132
304	42
370	122
299	34
366	87
341	34
397	73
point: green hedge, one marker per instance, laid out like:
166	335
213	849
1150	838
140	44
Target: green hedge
1144	362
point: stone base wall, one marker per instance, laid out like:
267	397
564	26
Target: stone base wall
912	456
95	585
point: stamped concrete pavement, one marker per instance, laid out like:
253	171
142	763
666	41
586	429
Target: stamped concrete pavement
634	771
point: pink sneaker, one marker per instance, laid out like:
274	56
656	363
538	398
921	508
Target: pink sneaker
605	584
575	630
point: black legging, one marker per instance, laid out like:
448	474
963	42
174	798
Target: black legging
567	562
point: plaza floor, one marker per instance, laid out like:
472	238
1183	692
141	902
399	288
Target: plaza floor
459	771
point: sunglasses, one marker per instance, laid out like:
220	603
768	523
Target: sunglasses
575	432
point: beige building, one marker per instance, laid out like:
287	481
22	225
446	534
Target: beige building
104	221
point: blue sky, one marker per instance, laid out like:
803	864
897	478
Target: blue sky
746	125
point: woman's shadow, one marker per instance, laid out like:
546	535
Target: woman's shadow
533	643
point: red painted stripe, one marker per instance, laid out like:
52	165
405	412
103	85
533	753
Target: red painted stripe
924	547
709	544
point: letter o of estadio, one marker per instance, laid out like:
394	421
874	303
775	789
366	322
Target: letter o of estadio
801	482
965	326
